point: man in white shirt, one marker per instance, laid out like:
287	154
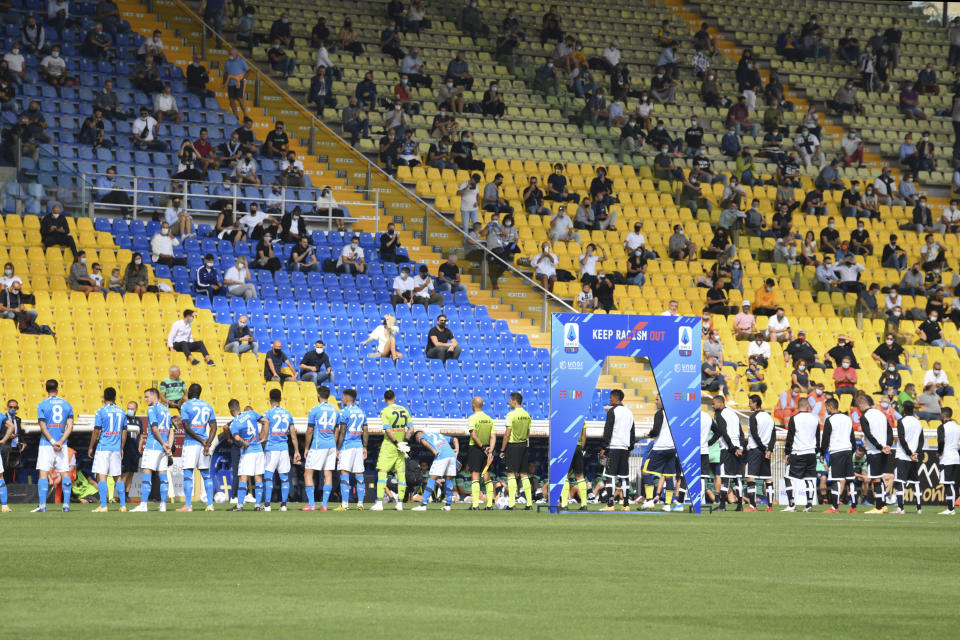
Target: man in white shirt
291	170
236	280
412	66
778	327
351	260
402	288
635	239
257	223
469	193
179	221
181	339
246	170
153	46
938	378
54	67
15	63
611	55
848	273
951	217
545	265
561	227
886	188
161	247
759	348
808	146
327	207
672	307
423	291
165	105
144	132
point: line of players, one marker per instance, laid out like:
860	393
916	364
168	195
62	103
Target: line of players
335	440
805	443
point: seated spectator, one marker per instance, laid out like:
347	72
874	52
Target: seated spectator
936	379
291	170
390	244
441	345
108	14
586	302
96	44
228	227
303	258
256	223
390	41
144	130
778	327
492	102
315	365
321	90
388	150
930	332
712	378
293	226
208	280
54	68
927	81
54	230
79	279
891	379
165	105
187	161
448	275
533	199
603	290
845	378
462	152
279	60
860	243
717	301
161	247
545	266
546	79
181	339
230	152
198	77
561	226
277	366
366	92
910	103
354	121
265	256
423	289
146	76
492	200
12	301
351	260
929	405
277	142
245	170
152	46
744	323
813	203
808	146
386	336
239	338
679	247
402	288
179	221
237	280
759	350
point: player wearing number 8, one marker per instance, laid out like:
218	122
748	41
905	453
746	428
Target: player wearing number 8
55	416
396	429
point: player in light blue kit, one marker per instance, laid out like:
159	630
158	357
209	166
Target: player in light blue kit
445	450
156	451
55	416
277	456
249	432
200	428
108	438
352	443
321	443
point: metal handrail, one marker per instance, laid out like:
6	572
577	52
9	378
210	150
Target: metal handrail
374	169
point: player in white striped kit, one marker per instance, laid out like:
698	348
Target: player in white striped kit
761	439
708	436
909	457
839	441
731	452
877	438
948	443
803	441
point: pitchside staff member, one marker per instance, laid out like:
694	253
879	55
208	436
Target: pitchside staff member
839	442
803	442
877	436
761	439
618	440
909	456
662	461
731	452
576	468
515	450
948	442
483	441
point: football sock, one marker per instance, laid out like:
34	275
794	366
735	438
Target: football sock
582	491
768	490
3	491
811	492
121	490
668	492
752	493
428	491
381	484
188	486
207	485
527	490
311	494
852	491
43	486
327	488
565	494
344	489
401	484
648	491
900	489
267	486
67	485
917	495
448	489
164	487
284	487
488	490
625	490
512	491
739	493
951	496
790	500
258	492
724	493
102	490
835	494
242	493
361	489
146	484
475	493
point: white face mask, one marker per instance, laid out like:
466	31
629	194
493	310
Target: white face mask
138	261
846	365
319	350
209	265
164	232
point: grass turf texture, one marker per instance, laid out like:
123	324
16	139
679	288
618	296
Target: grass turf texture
481	575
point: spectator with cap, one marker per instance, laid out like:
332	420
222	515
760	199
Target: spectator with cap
744	323
315	365
239	338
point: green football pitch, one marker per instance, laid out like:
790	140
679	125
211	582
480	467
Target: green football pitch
478	575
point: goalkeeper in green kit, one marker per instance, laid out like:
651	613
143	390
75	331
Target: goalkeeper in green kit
393	449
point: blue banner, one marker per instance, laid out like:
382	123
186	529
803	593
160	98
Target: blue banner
579	345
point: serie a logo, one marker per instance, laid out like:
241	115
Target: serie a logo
685	341
571	337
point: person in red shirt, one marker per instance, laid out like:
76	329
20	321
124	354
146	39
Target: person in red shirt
404	97
204	148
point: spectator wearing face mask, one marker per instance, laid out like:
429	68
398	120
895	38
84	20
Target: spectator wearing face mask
208	280
930	332
162	246
845	378
181	339
315	365
239	338
890	379
352	260
441	345
545	266
236	280
277	366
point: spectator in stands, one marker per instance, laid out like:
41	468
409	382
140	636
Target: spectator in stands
738	117
691	194
8	89
561	226
239	338
54	68
809	149
547	79
932	254
581	82
291	170
471	21
347	39
417	17
585	300
245	170
237	280
551	26
928	404
533	199
848	47
146	76
848	273
386	336
33	37
545	266
712	378
327	207
179	221
930	332
12	301
321	90
448	276
355	122
463	151
845	378
144	130
927	81
493	101
852	147
281	30
910	103
315	365
492	201
16	64
631	138
663	88
152	46
845	100
136	275
277	142
860	242
206	154
79	278
93	131
187	160
936	379
235	72
584	218
36	123
107	102
352	260
293	226
302	257
162	245
277	366
181	339
557	190
54	230
886	188
402	288
228	226
390	41
265	256
423	288
208	280
679	247
109	191
923	219
888	354
389	148
197	78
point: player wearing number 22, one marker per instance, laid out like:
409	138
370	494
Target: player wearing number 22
249	432
200	428
396	429
352	444
321	443
55	416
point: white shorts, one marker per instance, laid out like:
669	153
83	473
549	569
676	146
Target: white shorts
351	460
251	464
321	459
106	463
444	467
277	461
154	460
48	459
193	458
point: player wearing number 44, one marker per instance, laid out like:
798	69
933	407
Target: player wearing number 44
321	444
